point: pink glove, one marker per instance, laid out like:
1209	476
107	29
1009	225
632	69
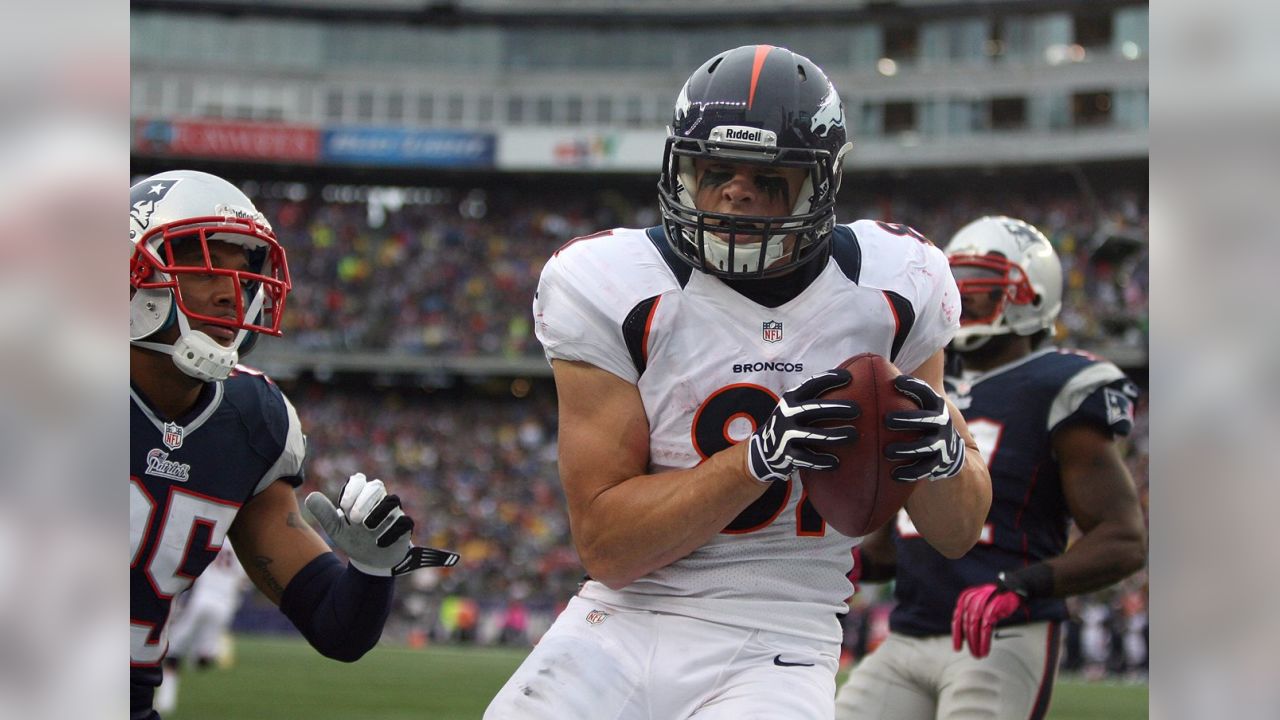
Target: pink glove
978	609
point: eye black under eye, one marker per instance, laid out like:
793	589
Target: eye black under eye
771	182
714	177
775	186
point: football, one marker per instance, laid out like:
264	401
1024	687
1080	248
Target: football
860	495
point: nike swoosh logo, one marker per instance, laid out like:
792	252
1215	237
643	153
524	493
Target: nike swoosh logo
1003	635
777	660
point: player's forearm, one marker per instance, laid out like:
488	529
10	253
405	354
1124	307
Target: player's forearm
1105	555
949	513
338	609
650	521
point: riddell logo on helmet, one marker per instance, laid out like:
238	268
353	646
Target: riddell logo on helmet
743	134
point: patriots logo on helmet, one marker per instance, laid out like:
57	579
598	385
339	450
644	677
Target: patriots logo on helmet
142	203
1024	236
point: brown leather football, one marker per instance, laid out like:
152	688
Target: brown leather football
860	495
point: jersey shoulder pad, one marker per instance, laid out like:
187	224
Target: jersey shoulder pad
893	253
612	269
273	428
916	280
1087	388
587	291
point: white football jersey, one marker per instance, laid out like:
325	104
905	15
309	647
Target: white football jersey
710	365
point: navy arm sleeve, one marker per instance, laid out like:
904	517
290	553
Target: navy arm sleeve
338	609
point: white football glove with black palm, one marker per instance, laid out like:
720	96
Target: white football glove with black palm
785	441
369	526
939	453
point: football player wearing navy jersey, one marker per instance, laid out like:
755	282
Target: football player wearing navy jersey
216	449
980	635
689	359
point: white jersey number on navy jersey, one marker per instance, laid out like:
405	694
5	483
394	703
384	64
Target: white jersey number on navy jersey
163	568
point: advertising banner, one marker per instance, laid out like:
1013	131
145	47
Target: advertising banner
407	147
228	140
568	150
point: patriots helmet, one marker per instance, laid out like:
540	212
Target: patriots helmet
168	211
1016	265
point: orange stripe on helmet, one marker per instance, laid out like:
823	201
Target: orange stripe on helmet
762	51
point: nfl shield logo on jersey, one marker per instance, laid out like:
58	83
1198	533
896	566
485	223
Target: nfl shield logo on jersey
595	617
172	436
772	331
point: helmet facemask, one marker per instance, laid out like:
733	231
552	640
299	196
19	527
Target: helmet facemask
158	300
733	245
995	279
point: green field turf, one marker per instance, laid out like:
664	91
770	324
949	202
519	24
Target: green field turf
284	679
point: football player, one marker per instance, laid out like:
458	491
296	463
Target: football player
979	635
201	622
714	585
216	448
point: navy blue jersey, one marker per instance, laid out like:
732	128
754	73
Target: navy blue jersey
187	480
1012	412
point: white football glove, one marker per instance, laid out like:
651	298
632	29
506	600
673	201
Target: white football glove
369	526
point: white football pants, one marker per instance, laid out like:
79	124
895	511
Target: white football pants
599	662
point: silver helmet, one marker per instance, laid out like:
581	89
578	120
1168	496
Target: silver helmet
173	208
1009	257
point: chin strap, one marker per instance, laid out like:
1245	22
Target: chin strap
197	354
716	253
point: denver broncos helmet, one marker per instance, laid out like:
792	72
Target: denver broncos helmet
1014	262
184	206
763	105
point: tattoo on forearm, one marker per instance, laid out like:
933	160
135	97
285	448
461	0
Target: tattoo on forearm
263	565
294	521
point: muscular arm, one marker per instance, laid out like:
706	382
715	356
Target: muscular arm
272	540
1102	499
949	513
339	610
626	522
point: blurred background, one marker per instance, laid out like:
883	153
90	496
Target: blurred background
421	160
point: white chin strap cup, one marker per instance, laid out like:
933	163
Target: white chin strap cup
716	252
198	355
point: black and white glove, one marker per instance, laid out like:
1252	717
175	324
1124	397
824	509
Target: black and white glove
939	453
369	526
784	442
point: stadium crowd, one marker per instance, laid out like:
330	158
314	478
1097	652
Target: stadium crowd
458	277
